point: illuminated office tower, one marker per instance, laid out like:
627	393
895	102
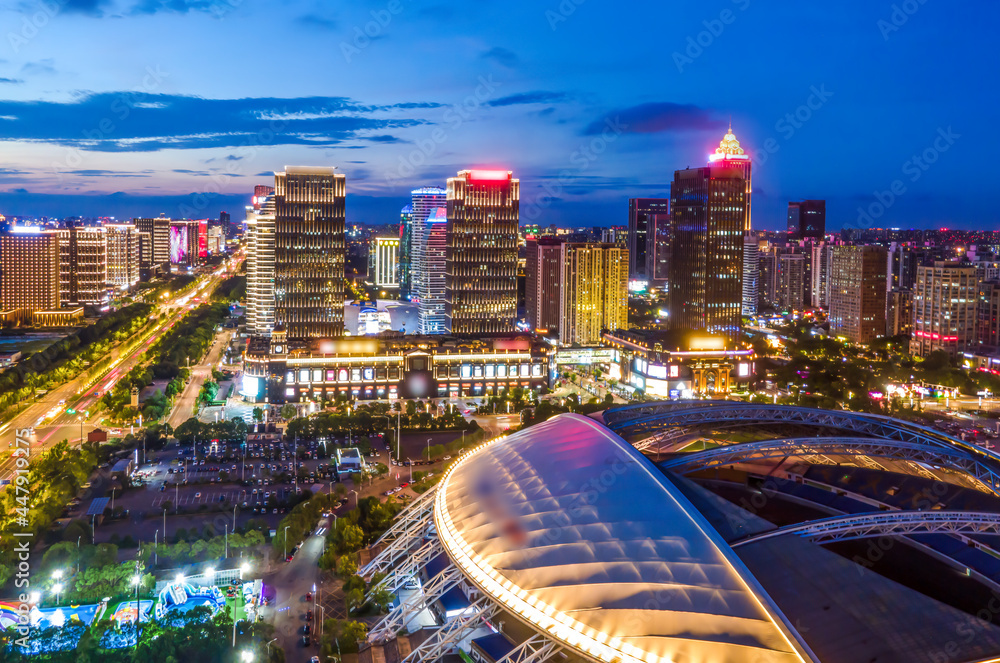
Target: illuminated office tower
543	282
309	251
944	308
384	262
423	203
710	209
857	293
594	291
260	266
30	270
481	257
820	291
405	251
83	265
430	240
123	255
155	253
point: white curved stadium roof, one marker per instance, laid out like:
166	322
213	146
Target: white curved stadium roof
572	529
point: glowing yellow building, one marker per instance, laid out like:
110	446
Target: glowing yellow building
594	291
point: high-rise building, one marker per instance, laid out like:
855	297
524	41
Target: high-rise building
481	257
944	308
424	202
543	283
384	262
710	216
188	241
594	291
820	291
901	265
791	281
30	270
405	251
309	251
899	312
751	274
83	265
988	314
226	224
123	255
857	293
430	241
154	254
649	239
260	238
807	219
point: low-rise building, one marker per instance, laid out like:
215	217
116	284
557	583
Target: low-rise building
392	365
680	363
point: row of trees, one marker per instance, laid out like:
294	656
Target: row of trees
68	357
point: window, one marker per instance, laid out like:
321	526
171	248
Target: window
304	375
491	370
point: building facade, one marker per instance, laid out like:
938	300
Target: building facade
481	255
383	265
649	240
945	295
123	255
405	251
30	278
820	291
260	239
710	217
83	265
857	293
807	219
988	314
751	274
543	283
430	241
594	291
155	251
393	366
899	312
309	219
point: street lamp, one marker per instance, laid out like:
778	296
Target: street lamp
246	656
57	588
285	537
244	568
136	580
355	498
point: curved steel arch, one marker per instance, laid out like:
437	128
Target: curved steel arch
953	458
647	417
886	523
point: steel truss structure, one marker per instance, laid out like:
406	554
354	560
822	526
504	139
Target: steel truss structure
401	615
410	566
886	523
400	546
654	417
660	439
535	649
953	458
417	510
453	632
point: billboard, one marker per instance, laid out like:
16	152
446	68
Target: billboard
179	243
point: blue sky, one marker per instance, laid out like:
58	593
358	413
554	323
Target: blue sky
134	107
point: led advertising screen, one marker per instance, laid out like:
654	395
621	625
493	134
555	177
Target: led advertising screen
178	244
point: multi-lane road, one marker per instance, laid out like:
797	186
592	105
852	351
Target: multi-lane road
71	410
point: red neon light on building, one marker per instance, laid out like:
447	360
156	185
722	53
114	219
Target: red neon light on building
489	175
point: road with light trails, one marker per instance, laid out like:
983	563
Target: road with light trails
48	417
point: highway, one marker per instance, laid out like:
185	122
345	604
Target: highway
49	415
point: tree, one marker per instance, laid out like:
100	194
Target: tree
288	411
346	566
258	414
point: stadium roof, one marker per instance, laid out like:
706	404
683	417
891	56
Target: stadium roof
573	530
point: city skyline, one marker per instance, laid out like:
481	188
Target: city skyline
91	133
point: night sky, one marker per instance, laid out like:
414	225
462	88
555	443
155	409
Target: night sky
135	107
